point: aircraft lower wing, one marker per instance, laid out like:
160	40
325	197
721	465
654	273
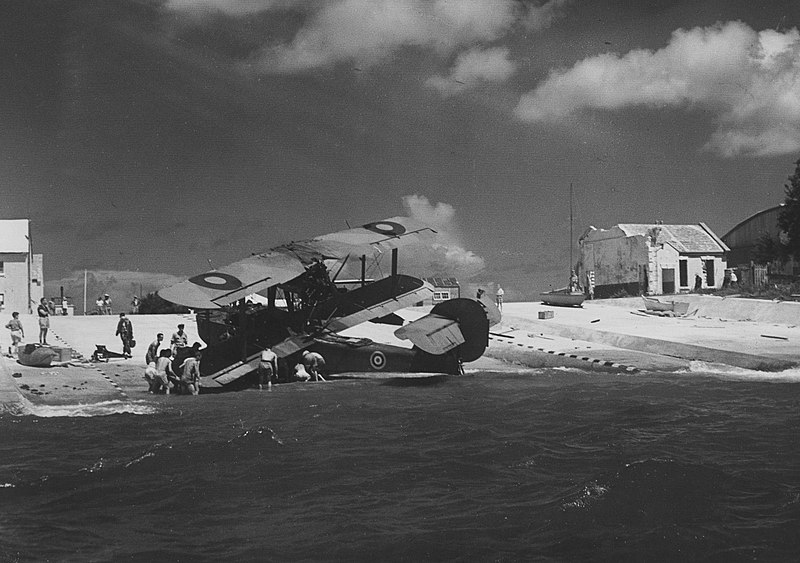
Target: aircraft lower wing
233	372
296	343
432	333
281	264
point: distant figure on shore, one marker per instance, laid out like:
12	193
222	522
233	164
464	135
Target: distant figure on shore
179	339
314	364
99	305
734	279
51	306
590	283
107	305
64	306
698	282
152	350
17	332
125	333
190	374
44	320
499	297
479	294
135	302
267	368
574	285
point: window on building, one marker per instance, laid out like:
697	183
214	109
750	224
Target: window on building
441	295
2	268
683	266
2	300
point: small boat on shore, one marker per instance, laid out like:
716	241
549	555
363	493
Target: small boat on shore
655	305
36	355
563	298
570	296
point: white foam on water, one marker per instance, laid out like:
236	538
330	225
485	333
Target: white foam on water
103	408
791	375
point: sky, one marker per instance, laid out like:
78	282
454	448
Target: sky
152	140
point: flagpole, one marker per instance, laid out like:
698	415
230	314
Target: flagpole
84	292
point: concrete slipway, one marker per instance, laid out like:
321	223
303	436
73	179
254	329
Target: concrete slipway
608	335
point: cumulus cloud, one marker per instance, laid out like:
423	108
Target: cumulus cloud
231	7
447	256
541	17
365	32
749	81
472	68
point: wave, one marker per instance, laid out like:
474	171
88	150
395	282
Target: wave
660	489
696	367
103	408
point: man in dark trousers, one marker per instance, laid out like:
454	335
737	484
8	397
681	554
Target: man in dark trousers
125	333
44	320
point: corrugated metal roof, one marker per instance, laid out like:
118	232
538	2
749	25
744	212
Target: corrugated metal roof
696	239
442	282
13	235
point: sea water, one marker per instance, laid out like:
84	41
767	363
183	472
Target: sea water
548	464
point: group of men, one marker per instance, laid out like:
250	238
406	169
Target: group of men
103	305
310	368
160	373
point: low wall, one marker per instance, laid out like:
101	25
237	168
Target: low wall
729	308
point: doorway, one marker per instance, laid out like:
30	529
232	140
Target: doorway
668	280
709	273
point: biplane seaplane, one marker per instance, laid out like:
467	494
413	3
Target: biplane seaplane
315	310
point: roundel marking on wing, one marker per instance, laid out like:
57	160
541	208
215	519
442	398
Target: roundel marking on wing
389	228
217	280
377	360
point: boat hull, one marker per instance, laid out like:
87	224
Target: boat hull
36	355
677	307
563	298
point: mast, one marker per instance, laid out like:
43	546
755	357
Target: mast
571	242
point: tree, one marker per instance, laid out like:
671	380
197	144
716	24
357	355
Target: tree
770	250
789	216
154	304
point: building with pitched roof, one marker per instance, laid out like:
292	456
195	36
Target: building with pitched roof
443	289
652	259
21	271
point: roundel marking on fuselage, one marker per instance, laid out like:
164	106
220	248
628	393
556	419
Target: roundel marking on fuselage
388	228
377	360
217	280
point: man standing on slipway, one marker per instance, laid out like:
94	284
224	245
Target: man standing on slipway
125	333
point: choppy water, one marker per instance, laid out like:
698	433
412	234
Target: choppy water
536	465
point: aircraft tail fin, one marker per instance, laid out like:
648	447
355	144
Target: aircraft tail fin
492	312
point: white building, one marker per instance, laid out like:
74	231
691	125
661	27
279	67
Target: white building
21	272
443	289
651	259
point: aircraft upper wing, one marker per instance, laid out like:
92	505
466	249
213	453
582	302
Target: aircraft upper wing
217	288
